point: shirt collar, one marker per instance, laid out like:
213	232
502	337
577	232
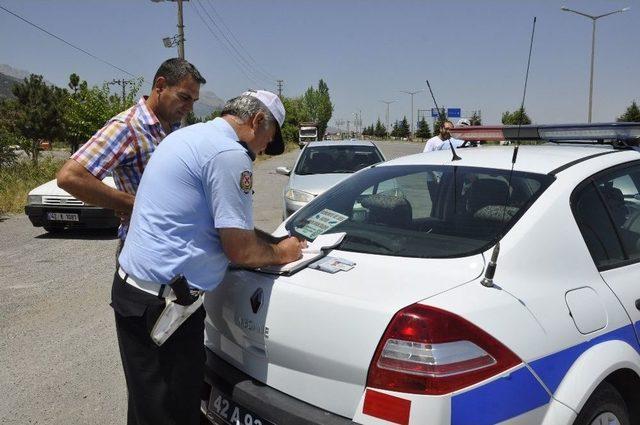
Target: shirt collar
146	115
229	132
149	118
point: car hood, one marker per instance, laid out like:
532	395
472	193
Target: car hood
312	335
315	184
51	188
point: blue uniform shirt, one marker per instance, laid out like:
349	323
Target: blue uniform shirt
198	180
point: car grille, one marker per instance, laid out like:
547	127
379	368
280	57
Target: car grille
61	200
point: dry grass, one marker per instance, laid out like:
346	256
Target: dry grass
17	180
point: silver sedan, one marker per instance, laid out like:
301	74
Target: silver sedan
322	164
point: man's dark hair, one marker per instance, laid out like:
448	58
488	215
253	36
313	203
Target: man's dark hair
175	70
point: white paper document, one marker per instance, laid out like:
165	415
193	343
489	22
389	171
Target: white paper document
314	250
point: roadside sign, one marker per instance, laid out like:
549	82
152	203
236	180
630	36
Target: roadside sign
434	112
454	112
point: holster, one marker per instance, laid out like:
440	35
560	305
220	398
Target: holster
176	310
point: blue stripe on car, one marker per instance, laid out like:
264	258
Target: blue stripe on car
520	392
499	400
552	369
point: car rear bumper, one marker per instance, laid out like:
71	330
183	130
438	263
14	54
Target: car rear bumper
88	217
265	401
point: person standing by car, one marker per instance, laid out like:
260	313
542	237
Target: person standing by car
126	142
193	215
437	143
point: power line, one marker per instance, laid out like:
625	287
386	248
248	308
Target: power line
224	46
238	55
66	42
228	30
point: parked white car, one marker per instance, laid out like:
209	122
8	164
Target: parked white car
322	164
425	328
54	209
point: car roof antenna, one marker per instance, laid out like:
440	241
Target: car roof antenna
442	120
491	268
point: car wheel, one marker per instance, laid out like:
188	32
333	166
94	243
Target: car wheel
605	407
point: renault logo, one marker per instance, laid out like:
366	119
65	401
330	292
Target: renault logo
256	300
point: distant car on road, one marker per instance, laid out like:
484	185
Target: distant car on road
54	209
322	164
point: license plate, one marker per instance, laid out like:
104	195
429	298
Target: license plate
62	216
222	410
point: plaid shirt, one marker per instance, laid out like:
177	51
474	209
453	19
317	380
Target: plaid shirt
123	146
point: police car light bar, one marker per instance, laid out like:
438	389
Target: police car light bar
617	133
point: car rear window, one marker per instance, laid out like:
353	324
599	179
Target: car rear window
421	211
337	159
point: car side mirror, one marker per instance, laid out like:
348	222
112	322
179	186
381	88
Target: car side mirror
283	170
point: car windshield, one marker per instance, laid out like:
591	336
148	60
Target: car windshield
421	210
337	159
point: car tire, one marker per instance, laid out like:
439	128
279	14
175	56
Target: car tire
605	406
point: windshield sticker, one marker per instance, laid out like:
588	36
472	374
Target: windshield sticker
320	223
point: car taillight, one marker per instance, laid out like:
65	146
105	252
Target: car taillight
426	350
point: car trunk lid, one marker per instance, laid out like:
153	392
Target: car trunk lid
312	335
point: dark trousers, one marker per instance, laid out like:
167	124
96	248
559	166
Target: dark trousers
163	383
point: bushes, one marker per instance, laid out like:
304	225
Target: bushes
18	179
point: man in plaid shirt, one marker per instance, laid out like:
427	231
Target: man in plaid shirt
125	144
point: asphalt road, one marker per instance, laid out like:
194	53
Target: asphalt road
58	350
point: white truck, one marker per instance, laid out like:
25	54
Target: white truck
307	132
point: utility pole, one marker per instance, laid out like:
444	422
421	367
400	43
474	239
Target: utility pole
177	39
411	93
180	31
280	87
388	102
122	82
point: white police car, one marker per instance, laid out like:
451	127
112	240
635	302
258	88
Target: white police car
426	329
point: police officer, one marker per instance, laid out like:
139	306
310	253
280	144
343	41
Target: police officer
193	215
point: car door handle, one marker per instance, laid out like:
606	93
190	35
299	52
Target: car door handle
638	303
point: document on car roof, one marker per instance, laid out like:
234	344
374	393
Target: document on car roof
314	251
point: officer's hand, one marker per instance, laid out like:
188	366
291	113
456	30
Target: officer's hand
290	249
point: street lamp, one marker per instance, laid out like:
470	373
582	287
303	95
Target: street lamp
593	43
411	93
388	102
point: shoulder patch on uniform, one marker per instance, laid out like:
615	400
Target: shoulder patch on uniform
246	181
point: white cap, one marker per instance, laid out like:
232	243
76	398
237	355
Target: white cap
275	106
464	121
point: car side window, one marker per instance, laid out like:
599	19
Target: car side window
607	211
620	194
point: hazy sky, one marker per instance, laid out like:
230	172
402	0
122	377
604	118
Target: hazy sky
473	52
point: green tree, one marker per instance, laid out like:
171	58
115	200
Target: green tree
518	117
317	107
39	112
380	130
476	118
90	108
403	128
394	129
295	113
74	82
632	114
423	131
